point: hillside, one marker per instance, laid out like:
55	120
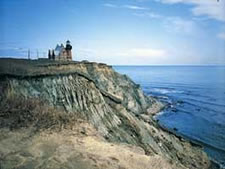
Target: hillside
83	115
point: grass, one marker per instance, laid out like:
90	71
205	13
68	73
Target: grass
23	67
17	112
27	68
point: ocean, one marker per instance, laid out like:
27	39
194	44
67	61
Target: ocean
195	96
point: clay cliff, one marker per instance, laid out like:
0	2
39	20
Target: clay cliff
93	117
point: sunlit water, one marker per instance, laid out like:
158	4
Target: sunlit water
196	99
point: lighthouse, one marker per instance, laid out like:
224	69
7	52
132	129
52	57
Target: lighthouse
68	50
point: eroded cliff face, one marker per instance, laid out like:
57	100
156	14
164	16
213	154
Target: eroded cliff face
111	102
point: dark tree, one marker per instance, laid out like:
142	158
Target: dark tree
49	54
53	54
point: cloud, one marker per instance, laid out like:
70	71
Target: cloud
13	49
171	23
180	25
149	14
143	52
135	52
221	35
211	8
110	5
132	7
174	24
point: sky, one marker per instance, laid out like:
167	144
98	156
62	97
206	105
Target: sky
116	32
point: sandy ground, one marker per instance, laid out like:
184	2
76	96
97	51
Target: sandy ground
79	148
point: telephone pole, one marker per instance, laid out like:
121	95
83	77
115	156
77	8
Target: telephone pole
28	54
37	53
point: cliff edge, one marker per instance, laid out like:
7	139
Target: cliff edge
83	115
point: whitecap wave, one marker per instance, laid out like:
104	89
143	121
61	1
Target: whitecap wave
166	90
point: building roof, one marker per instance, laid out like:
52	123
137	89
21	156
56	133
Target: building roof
58	49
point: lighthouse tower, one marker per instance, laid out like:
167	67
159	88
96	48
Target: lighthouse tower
68	50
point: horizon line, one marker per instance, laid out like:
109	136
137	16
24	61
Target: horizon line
172	65
183	64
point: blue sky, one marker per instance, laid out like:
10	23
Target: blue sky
127	32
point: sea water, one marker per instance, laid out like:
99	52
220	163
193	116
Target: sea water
195	96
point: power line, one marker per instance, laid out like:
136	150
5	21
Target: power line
44	54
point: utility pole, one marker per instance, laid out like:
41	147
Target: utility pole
28	54
37	54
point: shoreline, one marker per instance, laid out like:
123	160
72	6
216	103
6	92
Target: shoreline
214	164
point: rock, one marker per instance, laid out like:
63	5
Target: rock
180	101
175	129
174	110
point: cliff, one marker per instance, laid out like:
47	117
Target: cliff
117	128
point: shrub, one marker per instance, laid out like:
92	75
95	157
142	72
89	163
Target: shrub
18	111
